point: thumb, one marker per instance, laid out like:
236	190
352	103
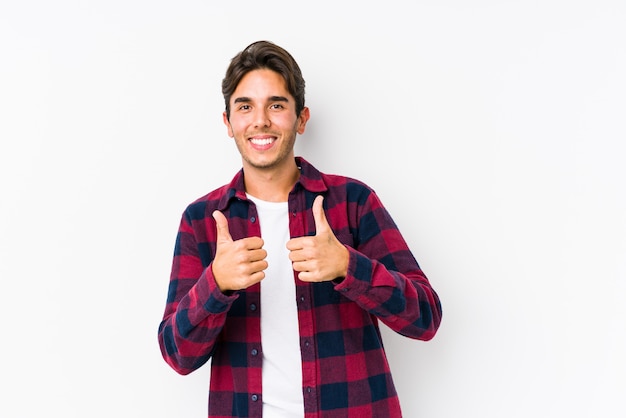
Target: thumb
223	234
321	224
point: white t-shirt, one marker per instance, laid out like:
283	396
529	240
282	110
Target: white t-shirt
280	338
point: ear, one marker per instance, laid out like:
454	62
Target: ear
303	119
227	123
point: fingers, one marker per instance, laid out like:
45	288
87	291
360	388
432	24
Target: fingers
321	228
255	255
321	224
321	257
223	233
237	264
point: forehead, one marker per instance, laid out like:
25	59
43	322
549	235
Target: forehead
261	84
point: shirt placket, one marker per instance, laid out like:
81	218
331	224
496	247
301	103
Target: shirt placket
304	299
255	356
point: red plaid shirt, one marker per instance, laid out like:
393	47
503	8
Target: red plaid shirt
344	369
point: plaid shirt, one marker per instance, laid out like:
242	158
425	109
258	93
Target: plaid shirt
344	369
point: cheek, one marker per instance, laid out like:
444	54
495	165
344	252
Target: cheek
235	128
228	124
286	123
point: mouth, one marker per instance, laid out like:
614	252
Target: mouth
262	142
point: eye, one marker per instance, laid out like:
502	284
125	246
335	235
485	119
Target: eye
277	106
244	107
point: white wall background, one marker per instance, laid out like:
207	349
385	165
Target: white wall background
493	131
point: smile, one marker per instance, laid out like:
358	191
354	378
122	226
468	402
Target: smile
262	141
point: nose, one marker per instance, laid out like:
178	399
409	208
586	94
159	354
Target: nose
262	119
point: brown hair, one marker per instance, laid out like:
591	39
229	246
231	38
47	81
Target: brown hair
264	54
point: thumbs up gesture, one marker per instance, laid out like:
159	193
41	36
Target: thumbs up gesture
238	264
320	257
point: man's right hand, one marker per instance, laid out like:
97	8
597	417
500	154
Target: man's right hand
237	264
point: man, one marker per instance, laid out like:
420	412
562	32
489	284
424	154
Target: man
281	276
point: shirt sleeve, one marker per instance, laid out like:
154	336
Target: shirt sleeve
384	277
196	309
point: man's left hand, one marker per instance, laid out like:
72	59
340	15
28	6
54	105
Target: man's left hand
321	257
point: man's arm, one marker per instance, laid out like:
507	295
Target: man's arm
196	309
384	277
380	273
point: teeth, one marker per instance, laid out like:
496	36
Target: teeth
261	141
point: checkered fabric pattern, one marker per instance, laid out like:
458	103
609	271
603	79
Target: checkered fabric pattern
344	367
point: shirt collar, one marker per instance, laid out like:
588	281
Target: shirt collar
310	179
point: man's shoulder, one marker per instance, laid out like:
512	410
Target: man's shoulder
350	184
339	180
214	195
206	204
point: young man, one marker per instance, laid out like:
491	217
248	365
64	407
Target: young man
281	276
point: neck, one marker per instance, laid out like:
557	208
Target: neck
271	185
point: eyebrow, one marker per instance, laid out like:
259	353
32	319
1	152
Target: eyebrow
271	99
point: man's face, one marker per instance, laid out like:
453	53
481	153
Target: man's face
263	120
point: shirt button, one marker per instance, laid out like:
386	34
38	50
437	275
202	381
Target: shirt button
302	298
252	219
306	343
309	389
253	307
254	352
254	398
